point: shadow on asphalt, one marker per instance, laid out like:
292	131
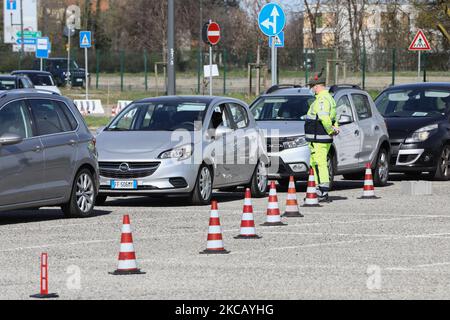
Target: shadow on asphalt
29	216
169	201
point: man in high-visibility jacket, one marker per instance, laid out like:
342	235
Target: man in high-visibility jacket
320	128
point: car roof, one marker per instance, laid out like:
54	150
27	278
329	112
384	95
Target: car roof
421	85
8	77
295	90
199	99
26	93
19	72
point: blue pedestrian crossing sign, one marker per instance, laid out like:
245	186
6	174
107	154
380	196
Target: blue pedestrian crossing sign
42	48
279	40
11	4
272	19
85	39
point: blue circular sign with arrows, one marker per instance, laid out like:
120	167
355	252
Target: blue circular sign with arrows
272	19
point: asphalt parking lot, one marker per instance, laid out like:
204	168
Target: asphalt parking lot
396	247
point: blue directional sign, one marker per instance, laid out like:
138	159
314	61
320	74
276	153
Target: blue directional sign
279	40
85	39
30	41
42	48
11	4
272	19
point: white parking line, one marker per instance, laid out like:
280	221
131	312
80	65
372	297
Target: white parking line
420	266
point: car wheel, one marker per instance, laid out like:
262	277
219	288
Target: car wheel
82	199
203	189
381	170
442	170
332	169
100	200
260	181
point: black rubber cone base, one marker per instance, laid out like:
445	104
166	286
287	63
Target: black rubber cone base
45	296
293	215
126	273
369	198
248	237
311	206
274	224
215	252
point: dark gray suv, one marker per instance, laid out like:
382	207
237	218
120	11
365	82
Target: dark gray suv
48	156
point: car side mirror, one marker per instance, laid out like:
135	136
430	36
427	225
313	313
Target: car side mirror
9	139
345	119
222	131
100	130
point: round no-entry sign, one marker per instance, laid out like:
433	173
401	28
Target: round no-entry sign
213	34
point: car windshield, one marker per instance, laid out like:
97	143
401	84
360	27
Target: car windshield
281	108
160	116
414	103
7	84
40	79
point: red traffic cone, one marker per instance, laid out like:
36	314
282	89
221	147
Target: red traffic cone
273	210
114	112
248	230
44	280
215	239
312	200
292	210
369	189
127	256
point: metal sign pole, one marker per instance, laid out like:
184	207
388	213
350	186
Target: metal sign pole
68	59
210	71
274	66
418	68
86	72
42	64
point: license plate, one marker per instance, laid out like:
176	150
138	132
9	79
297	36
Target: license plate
128	185
79	80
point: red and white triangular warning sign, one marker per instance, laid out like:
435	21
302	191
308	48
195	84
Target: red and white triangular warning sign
420	42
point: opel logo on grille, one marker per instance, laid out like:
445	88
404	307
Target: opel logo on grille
124	167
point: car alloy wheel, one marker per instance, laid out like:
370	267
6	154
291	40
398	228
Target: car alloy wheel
205	183
261	177
85	193
383	167
444	162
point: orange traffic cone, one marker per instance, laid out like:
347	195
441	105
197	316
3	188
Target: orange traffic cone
369	189
114	112
44	280
292	210
215	239
248	230
312	200
273	211
127	255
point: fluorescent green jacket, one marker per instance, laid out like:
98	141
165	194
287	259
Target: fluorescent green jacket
325	108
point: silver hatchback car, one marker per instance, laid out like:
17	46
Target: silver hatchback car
47	154
181	146
364	137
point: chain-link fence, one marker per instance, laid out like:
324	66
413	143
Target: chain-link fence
145	71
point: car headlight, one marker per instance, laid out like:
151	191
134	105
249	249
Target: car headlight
295	142
180	153
422	134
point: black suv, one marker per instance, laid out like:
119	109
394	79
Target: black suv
58	68
418	120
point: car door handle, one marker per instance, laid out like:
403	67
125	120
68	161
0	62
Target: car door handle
37	149
357	133
377	128
72	143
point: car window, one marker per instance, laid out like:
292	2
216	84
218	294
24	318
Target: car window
41	79
239	116
50	118
362	106
414	103
14	118
220	118
344	108
69	115
7	84
289	108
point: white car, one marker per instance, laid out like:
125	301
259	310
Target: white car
41	80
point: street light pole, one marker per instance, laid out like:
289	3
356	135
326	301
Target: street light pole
171	88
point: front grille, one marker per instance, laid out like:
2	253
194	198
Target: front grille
136	169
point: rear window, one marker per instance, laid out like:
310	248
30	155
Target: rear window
281	108
7	84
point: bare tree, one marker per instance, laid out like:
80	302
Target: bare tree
356	14
312	11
